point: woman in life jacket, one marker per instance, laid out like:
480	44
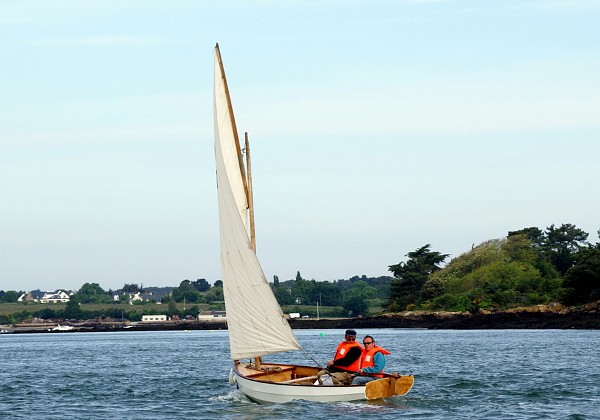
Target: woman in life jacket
372	362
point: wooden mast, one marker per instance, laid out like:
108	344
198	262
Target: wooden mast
250	200
249	192
232	117
247	183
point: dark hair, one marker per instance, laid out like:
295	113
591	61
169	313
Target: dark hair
368	336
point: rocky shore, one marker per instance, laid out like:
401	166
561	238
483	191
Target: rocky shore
552	316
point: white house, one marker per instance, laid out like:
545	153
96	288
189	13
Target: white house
33	296
55	297
154	318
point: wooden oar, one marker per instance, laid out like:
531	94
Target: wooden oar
306	378
388	387
377	389
404	384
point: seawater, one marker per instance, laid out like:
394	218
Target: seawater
502	374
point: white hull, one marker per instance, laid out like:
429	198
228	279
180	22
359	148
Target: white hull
268	392
62	328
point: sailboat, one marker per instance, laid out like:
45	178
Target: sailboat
256	324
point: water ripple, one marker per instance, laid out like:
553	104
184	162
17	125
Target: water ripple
172	375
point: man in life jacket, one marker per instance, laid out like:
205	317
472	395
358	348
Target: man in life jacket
372	362
346	360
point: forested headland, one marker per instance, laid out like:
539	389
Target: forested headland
529	267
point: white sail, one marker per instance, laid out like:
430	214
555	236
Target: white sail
255	322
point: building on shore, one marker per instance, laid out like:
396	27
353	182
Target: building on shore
154	318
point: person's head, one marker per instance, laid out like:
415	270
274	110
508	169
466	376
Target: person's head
350	335
368	342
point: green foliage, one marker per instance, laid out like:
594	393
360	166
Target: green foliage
355	305
72	309
451	276
582	281
134	316
307	292
91	293
562	244
9	296
192	312
522	269
131	288
172	308
188	292
215	294
411	276
283	295
311	311
459	302
356	299
201	285
496	274
47	313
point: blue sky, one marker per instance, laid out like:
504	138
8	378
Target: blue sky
376	128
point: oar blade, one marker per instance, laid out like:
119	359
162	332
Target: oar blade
375	390
404	384
389	387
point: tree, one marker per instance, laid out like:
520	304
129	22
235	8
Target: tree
92	293
534	234
186	291
131	288
355	305
582	281
193	311
531	244
327	294
562	244
218	283
201	285
283	296
47	313
215	294
72	309
411	276
9	296
355	300
172	308
301	290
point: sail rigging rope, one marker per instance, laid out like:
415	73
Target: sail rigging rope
311	358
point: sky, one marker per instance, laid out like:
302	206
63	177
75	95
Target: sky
375	127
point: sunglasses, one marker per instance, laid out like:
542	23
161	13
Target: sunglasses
370	342
350	338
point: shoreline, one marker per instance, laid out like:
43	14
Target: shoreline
553	316
537	317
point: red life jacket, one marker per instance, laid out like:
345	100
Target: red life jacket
341	352
367	359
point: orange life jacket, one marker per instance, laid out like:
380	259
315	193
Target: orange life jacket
367	359
341	352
